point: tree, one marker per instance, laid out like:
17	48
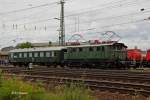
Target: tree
24	45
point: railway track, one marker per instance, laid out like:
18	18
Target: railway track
115	81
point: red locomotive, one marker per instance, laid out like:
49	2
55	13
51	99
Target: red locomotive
148	55
134	54
138	57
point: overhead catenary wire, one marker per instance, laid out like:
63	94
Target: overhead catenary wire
30	8
133	13
116	24
98	19
96	6
78	14
125	23
25	9
112	6
32	15
47	20
136	21
114	17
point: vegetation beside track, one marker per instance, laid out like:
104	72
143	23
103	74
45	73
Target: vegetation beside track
16	89
139	70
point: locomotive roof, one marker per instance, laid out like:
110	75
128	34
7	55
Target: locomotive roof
89	45
38	49
60	48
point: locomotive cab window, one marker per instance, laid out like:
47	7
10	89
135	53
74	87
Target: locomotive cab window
80	49
119	47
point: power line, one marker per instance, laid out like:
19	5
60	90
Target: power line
98	19
68	15
96	6
81	23
26	17
25	9
114	17
113	6
134	13
126	23
39	21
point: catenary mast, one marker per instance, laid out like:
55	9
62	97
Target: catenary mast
62	25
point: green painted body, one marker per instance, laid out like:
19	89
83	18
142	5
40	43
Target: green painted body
79	54
55	58
96	52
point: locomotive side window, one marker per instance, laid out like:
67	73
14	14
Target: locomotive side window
98	48
114	47
73	49
91	49
103	49
80	49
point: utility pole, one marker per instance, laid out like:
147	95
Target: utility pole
62	25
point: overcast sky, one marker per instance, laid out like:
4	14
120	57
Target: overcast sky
89	18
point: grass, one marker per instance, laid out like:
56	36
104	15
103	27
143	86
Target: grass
16	89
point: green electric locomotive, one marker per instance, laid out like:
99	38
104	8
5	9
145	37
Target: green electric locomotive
98	55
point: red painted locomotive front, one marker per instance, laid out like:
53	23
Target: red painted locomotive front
148	55
134	54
